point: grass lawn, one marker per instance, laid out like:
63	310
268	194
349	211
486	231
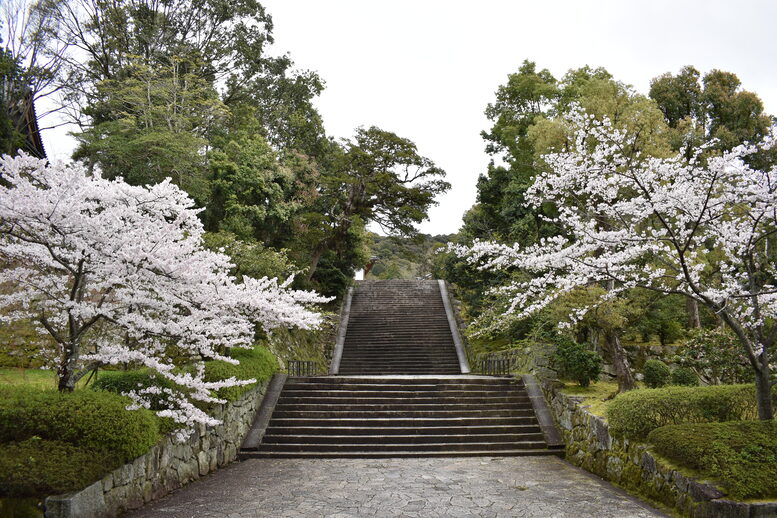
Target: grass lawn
43	379
596	396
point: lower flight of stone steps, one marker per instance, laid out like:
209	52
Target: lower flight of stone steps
401	416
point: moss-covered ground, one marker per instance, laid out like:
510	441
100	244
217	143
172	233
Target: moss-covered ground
596	396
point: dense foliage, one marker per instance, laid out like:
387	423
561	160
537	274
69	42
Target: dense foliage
405	258
742	456
576	362
95	420
38	467
656	373
255	364
684	376
636	413
194	92
715	356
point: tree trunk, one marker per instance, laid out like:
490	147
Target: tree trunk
67	368
614	349
317	253
692	307
763	394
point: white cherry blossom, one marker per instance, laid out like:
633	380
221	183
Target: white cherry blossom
115	273
671	225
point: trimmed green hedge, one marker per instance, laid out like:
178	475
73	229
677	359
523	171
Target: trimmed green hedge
37	467
258	363
95	420
636	413
120	382
742	456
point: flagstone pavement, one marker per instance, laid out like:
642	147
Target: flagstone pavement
526	487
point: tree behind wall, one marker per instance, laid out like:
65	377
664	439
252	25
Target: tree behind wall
669	225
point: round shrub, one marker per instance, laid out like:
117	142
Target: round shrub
574	361
37	467
684	376
741	455
257	363
636	413
92	419
656	373
121	382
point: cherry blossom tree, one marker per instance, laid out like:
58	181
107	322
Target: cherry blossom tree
705	229
114	273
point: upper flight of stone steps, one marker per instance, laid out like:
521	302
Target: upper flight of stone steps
398	327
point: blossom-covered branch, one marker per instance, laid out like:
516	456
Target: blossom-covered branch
115	273
702	228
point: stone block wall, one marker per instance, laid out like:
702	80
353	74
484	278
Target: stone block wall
166	467
631	465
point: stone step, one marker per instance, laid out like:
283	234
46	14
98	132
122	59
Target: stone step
378	401
398	371
425	447
402	414
463	438
407	423
403	430
414	364
369	454
413	380
406	394
447	406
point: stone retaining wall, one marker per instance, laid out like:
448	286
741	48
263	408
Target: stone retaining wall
166	467
631	465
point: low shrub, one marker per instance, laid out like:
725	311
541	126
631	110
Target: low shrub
121	382
742	456
636	413
258	363
574	361
95	420
685	377
37	467
656	373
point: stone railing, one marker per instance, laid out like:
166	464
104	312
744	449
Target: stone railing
632	466
166	467
531	358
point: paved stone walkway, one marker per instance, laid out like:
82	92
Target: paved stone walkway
541	487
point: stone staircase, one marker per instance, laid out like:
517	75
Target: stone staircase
398	327
400	392
402	416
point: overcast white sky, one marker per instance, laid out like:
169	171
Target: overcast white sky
427	69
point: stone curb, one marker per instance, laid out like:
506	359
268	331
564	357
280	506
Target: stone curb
457	342
342	328
259	427
542	412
